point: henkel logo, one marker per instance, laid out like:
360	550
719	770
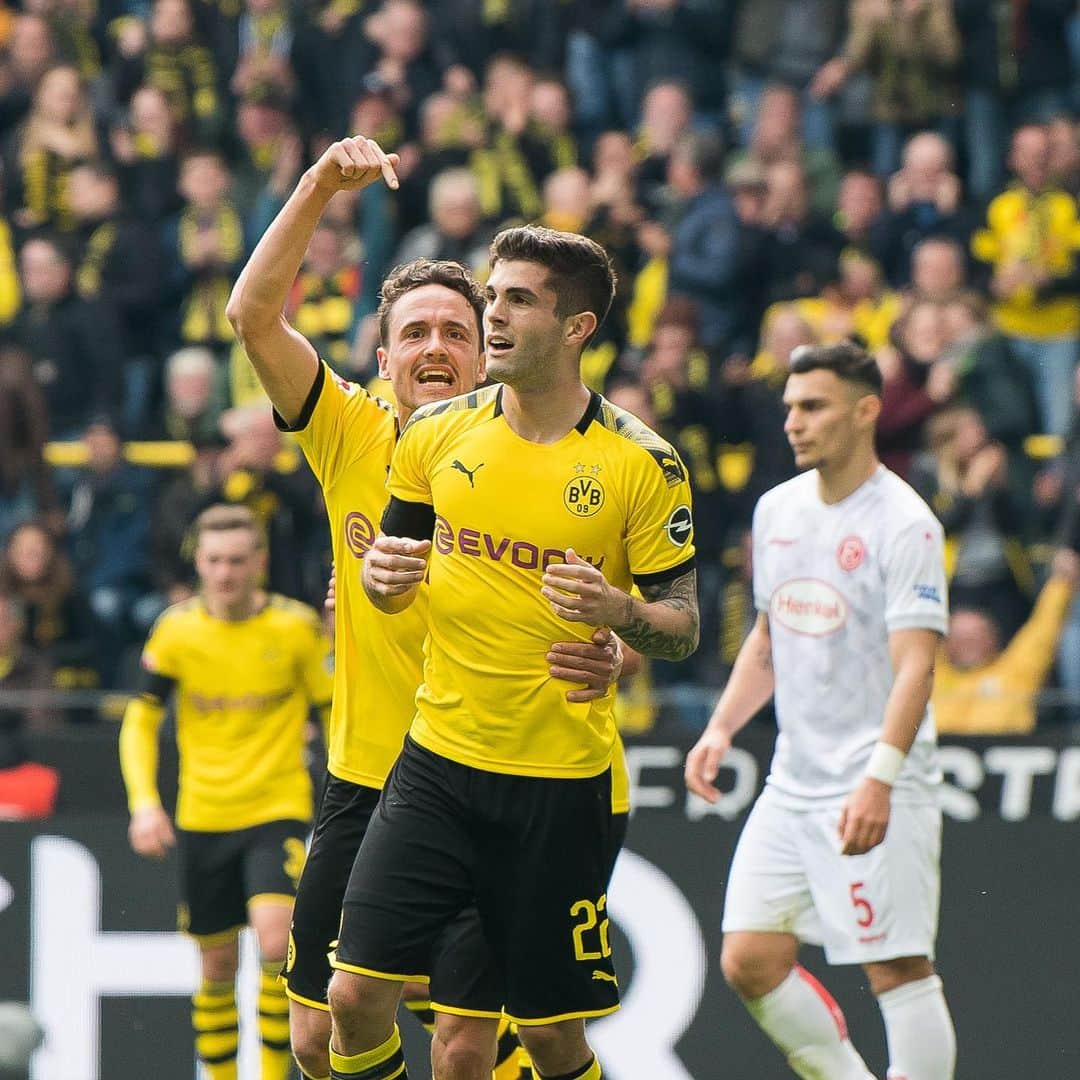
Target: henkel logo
808	606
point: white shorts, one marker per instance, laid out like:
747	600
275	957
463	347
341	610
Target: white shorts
788	876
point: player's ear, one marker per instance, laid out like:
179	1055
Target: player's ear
384	363
581	327
867	410
481	368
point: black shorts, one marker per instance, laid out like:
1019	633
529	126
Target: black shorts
343	817
534	854
460	963
222	872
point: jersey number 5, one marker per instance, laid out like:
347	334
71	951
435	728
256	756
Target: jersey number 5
861	905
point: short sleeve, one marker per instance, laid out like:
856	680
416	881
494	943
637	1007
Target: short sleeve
757	560
410	467
660	520
915	587
340	422
161	653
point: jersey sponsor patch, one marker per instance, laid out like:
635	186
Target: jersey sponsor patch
928	592
679	525
359	533
850	553
808	606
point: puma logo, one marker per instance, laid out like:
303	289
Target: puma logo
470	473
605	977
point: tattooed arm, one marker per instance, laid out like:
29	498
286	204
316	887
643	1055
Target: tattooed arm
664	625
747	691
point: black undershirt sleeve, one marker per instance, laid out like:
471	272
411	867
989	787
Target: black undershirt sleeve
150	684
416	521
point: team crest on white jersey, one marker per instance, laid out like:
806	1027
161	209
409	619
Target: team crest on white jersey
808	606
850	553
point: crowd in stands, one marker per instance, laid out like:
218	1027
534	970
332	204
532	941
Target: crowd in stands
765	173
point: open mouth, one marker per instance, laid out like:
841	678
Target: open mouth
496	345
435	376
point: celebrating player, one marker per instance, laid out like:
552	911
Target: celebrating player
540	505
431	334
245	668
843	846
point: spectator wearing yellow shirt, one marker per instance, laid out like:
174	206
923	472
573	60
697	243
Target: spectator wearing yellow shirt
1031	238
983	688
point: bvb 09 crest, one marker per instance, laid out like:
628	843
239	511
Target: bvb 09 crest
583	496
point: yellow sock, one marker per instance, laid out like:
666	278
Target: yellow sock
274	1055
386	1062
511	1060
425	1015
217	1035
586	1072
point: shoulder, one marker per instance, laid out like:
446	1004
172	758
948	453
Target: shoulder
294	612
177	616
460	411
638	440
901	506
789	494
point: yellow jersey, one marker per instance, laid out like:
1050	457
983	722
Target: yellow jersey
348	436
243	691
506	508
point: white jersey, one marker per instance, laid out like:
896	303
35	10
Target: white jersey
835	580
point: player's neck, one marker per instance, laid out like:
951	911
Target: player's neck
836	483
545	416
237	611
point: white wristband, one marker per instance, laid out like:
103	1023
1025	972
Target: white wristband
885	763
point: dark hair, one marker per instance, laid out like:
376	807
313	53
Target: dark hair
579	269
421	272
845	360
704	150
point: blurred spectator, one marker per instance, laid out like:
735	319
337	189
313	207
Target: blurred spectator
255	469
206	246
145	147
108	523
75	345
1015	69
550	116
466	33
803	246
28	53
21	669
925	200
403	60
859	210
194	396
567	196
990	378
666	113
985	680
26	489
917	382
120	264
168	55
179	503
1031	238
1064	154
263	45
323	302
59	626
57	134
265	135
983	505
778	137
704	239
456	230
666	39
938	269
911	48
784	41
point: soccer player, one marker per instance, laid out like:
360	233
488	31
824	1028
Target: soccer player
431	348
843	846
535	506
244	667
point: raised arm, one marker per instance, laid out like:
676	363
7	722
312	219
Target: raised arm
748	690
284	359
